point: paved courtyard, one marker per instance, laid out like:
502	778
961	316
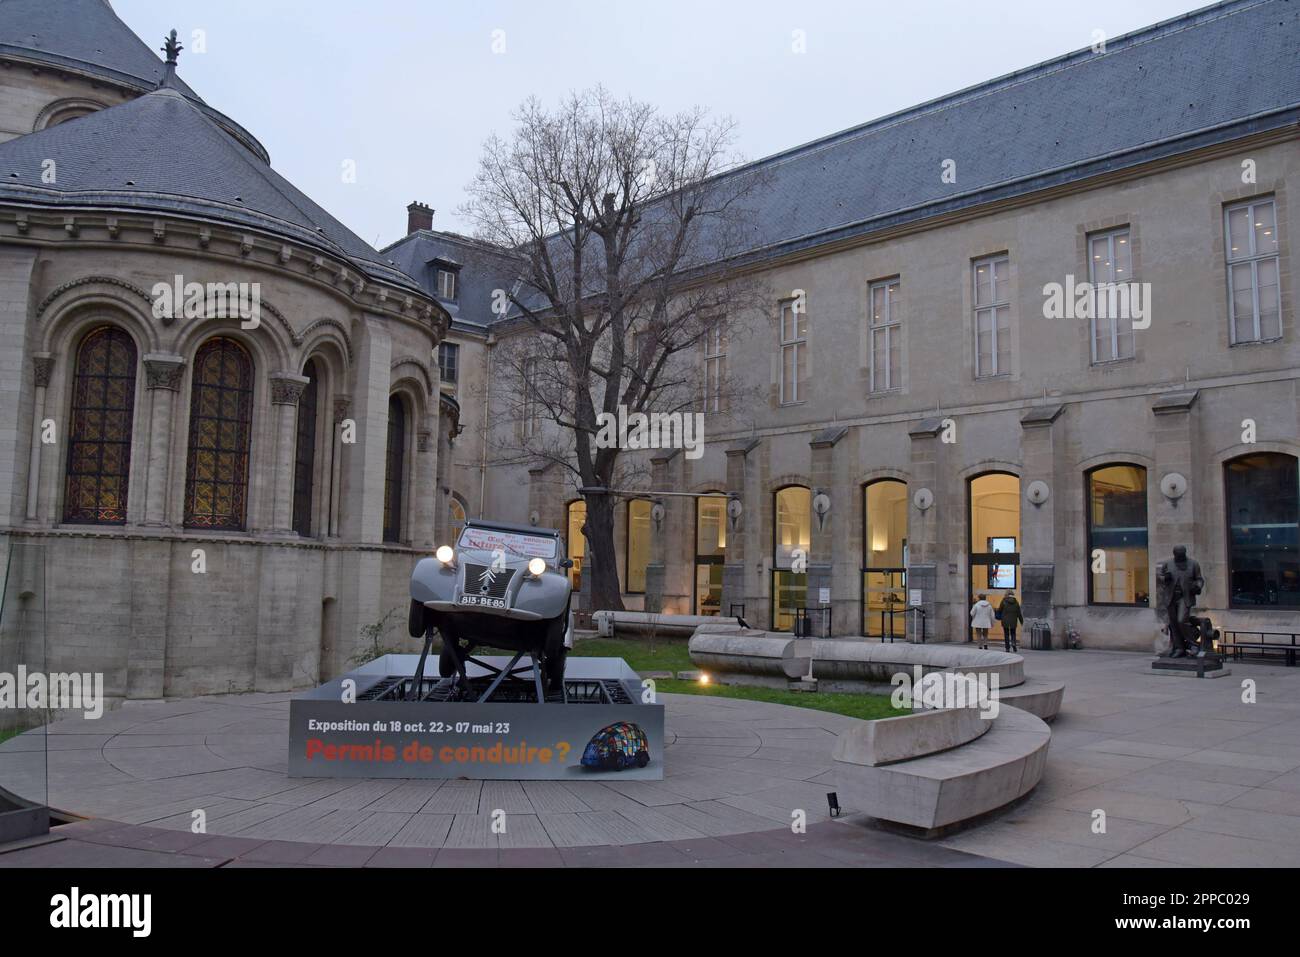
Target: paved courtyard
1185	771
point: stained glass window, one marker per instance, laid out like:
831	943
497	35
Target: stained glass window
99	447
221	417
304	459
394	470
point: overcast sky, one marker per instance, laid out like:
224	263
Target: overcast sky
409	89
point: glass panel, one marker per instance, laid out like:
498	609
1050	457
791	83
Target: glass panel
575	542
455	519
793	524
711	527
221	415
983	284
1263	498
99	446
395	470
638	543
1117	526
995	528
1123	254
1003	315
1238	233
789	594
984	343
1099	259
1270	320
884	604
24	761
304	465
884	559
708	589
1265	229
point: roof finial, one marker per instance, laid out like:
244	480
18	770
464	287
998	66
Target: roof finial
172	48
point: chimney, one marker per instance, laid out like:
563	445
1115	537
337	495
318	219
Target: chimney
418	216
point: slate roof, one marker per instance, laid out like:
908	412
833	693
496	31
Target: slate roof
484	269
112	159
87	36
1208	76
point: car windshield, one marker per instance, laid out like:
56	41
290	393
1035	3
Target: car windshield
511	543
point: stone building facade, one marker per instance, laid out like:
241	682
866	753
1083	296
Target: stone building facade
950	433
227	496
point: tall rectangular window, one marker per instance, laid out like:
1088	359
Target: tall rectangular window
992	297
448	362
794	351
638	544
885	329
531	416
1110	262
715	366
1252	259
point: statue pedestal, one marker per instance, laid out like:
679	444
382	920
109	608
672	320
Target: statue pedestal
1211	666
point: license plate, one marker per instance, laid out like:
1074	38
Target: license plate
482	601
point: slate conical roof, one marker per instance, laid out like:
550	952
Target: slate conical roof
86	36
162	153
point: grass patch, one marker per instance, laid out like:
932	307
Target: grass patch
7	733
672	655
865	706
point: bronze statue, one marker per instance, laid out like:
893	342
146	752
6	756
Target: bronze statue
1178	583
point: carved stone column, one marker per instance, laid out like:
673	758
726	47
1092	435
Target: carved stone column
163	375
286	390
43	364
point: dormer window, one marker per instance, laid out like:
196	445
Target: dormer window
446	284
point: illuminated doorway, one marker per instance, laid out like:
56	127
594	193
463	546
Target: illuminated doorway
791	542
710	552
884	559
994	567
575	543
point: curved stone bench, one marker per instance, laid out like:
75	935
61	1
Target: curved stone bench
748	651
612	623
887	740
850	665
935	791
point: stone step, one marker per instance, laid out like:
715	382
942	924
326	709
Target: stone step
1039	696
937	791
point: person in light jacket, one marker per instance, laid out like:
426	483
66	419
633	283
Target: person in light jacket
981	619
1012	618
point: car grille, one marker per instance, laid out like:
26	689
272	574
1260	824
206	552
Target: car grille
481	580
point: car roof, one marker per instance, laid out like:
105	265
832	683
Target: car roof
511	527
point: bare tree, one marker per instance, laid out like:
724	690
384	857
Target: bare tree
627	225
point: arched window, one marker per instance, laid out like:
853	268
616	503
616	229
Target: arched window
395	470
455	519
1262	491
791	541
99	444
1118	561
304	458
710	552
221	419
884	559
575	542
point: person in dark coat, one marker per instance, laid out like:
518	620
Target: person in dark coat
1012	618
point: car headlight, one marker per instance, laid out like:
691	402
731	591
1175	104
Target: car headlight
536	566
444	554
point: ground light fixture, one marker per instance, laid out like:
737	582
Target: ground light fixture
444	554
704	678
833	803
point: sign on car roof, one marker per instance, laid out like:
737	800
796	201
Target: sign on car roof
489	540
